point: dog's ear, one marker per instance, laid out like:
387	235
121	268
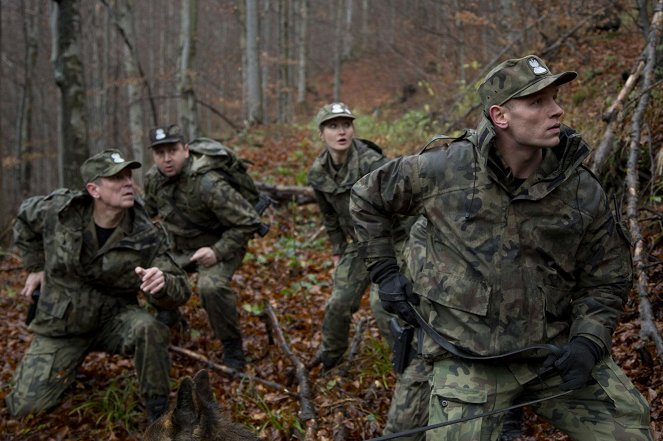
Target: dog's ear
209	413
185	413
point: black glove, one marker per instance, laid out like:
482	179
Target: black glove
575	362
394	289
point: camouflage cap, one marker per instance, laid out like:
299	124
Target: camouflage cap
107	163
165	135
518	77
332	111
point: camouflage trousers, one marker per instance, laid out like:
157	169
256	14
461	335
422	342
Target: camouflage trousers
350	280
409	402
49	365
608	408
219	300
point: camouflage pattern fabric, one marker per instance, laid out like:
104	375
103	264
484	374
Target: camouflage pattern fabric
89	296
351	278
539	263
508	264
350	282
218	298
409	401
223	220
610	408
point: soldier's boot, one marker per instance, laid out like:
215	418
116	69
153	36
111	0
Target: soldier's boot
169	317
329	361
512	425
156	406
233	354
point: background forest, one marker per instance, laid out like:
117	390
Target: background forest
78	76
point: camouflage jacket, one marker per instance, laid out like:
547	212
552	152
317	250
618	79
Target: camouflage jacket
333	195
506	266
209	213
84	284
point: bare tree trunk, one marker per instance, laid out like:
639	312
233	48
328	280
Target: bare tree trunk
187	108
648	329
24	145
348	35
125	20
253	64
338	39
302	51
284	110
265	30
70	78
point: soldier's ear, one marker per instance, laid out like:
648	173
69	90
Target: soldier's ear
92	190
498	116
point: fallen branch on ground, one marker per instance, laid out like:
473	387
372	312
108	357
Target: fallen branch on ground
307	409
225	370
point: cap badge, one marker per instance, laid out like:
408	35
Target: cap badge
159	134
117	158
339	108
536	66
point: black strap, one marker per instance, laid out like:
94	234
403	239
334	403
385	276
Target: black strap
464	419
449	347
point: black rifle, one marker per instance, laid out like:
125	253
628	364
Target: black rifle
263	204
402	345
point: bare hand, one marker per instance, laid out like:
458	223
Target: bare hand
152	279
33	282
335	259
205	256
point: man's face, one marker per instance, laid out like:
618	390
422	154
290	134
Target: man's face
534	120
115	191
170	158
337	134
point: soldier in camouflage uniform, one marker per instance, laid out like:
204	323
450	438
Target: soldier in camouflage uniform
409	401
522	249
210	224
89	253
344	160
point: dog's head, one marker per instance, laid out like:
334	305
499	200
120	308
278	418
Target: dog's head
196	416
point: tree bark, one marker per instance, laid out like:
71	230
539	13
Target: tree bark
302	51
648	329
70	78
613	117
288	193
125	21
307	411
338	39
254	98
187	103
225	370
24	144
284	95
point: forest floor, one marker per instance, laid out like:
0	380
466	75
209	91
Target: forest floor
291	269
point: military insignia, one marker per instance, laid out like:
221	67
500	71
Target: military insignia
159	134
117	158
536	66
339	108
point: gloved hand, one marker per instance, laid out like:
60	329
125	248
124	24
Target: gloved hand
394	289
575	362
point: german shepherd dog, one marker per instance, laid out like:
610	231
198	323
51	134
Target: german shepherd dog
196	416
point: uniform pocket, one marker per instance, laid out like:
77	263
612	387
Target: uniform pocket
630	407
450	403
455	291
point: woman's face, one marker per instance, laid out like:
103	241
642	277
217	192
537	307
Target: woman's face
337	134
